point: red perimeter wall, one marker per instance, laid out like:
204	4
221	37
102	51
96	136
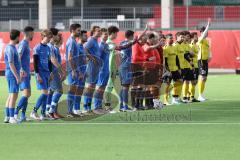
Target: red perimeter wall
225	47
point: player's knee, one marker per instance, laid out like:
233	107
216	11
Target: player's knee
79	91
186	82
72	89
90	89
194	82
27	93
44	91
125	86
15	95
204	78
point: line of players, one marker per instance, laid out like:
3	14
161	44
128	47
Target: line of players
185	60
92	66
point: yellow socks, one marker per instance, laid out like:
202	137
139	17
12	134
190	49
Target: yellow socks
175	88
185	89
166	93
192	90
179	88
201	87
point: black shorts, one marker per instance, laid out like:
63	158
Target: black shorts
176	75
187	74
151	76
137	74
203	67
196	73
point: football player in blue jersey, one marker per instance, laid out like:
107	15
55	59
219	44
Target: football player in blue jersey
43	68
73	73
25	86
12	74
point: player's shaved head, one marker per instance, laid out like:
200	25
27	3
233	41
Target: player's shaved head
28	29
129	33
28	32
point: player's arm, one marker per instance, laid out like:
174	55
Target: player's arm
205	31
14	71
178	63
50	67
144	32
12	66
36	65
166	63
54	62
165	59
148	48
89	56
125	46
20	53
70	59
128	45
71	62
187	57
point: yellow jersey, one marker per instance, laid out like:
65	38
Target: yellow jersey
204	49
195	51
187	48
180	53
169	52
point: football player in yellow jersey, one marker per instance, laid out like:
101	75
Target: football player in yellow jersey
173	70
179	49
204	56
195	49
188	70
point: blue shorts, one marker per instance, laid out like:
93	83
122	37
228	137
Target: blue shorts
125	75
81	83
56	83
13	87
75	81
103	78
45	84
26	82
92	72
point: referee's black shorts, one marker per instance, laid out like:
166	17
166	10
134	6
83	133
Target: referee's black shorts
151	76
137	74
203	67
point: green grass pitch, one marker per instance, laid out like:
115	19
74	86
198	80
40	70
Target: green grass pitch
200	131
